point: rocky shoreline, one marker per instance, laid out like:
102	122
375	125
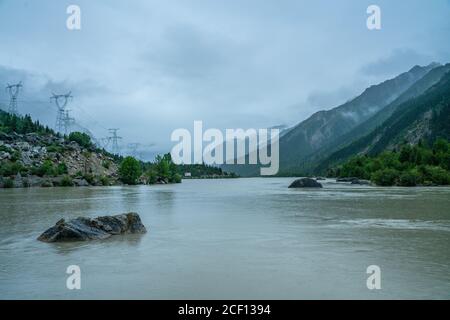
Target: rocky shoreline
36	160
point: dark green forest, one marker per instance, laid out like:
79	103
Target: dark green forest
10	123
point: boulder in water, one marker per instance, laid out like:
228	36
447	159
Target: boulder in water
84	229
347	179
305	183
361	182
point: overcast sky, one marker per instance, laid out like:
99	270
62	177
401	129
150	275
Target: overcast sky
149	67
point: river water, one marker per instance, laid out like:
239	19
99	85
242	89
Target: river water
232	239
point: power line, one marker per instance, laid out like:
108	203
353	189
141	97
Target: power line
95	122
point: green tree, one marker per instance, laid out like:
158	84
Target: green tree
175	178
385	177
66	181
130	170
162	167
61	168
152	176
441	145
405	154
83	139
46	169
437	175
409	179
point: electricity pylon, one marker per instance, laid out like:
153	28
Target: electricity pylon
13	91
68	122
61	101
114	138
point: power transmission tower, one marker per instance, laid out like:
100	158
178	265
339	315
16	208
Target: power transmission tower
68	122
114	138
61	101
13	91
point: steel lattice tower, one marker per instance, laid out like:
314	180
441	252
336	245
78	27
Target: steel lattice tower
13	91
115	141
67	122
61	101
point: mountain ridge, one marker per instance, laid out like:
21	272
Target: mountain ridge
425	117
418	88
326	126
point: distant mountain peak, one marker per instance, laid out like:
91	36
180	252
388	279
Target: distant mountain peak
430	66
434	64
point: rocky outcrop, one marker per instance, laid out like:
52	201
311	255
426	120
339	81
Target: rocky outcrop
30	153
305	183
80	183
84	229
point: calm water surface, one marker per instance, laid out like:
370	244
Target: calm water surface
232	239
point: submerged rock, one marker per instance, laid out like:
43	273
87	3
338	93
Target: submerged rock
361	182
350	179
84	229
305	183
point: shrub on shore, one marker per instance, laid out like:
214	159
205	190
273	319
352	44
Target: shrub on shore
66	182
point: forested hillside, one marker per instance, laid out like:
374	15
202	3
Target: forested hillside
365	128
424	118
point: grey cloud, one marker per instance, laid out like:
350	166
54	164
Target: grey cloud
329	99
186	52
